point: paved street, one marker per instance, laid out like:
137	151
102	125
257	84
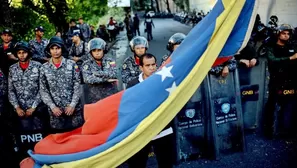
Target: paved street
260	152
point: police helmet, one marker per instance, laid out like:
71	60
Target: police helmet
56	41
138	40
22	45
97	43
175	39
285	27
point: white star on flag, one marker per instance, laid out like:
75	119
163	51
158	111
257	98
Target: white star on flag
173	87
165	72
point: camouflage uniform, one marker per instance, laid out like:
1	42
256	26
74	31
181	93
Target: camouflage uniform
86	31
130	69
59	87
38	50
23	92
217	70
3	91
79	51
96	78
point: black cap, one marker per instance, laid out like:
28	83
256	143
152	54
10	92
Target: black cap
7	31
39	28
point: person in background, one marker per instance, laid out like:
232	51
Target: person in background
7	57
38	45
85	30
78	51
149	24
136	23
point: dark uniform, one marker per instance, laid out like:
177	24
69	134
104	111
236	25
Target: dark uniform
80	51
149	24
3	91
7	155
130	69
282	77
96	77
86	31
38	50
59	87
4	61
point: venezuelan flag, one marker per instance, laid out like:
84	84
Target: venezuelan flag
120	125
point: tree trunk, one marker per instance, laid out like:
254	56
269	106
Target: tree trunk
157	6
168	7
5	11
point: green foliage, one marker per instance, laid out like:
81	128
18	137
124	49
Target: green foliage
24	22
91	11
28	14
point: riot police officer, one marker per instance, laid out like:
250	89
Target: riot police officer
23	94
130	67
99	72
78	51
173	42
60	88
282	63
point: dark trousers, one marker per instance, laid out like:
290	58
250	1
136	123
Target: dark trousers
149	35
136	31
163	148
280	115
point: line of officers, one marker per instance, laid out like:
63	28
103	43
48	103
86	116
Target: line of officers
47	97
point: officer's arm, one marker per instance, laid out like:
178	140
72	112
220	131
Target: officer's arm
11	92
231	64
92	77
217	69
271	57
44	92
76	87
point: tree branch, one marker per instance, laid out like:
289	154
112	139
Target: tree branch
30	4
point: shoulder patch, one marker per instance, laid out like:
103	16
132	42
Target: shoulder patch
76	68
113	64
124	66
